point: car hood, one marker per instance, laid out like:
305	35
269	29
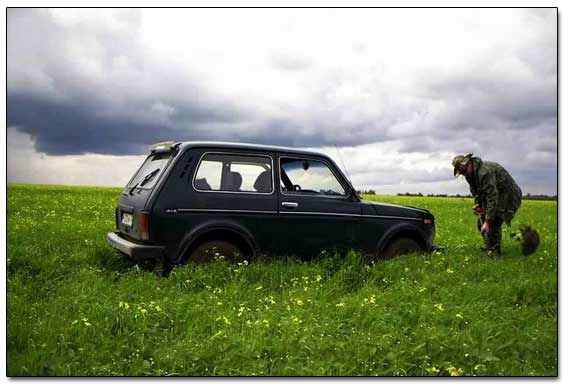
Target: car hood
387	209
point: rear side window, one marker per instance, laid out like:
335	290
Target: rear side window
148	173
209	175
234	173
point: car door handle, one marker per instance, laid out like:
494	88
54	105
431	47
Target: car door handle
289	204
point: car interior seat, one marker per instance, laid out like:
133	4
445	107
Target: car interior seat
202	184
233	182
263	182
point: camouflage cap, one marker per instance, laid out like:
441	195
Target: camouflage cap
459	162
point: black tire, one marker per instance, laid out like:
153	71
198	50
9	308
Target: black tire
216	249
400	246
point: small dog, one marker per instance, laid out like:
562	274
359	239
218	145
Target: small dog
529	239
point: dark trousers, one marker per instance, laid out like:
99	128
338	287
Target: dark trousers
493	237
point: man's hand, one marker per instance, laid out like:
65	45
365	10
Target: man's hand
485	227
477	210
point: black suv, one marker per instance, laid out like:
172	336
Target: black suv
197	200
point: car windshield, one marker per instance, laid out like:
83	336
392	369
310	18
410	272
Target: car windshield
151	164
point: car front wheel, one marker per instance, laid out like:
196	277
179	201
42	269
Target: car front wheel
400	246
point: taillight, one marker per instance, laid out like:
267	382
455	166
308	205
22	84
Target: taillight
144	225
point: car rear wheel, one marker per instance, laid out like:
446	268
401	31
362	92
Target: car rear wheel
215	250
400	246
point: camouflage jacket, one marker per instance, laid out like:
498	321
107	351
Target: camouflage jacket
494	190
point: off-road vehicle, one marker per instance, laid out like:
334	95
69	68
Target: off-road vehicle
194	201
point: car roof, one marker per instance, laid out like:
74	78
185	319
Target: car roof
247	146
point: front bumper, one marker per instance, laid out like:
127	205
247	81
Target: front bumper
132	249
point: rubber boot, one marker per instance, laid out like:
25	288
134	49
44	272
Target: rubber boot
494	252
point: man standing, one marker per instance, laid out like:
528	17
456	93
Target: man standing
497	197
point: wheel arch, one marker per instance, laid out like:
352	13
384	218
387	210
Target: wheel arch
224	230
405	230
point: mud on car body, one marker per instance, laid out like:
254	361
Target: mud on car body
193	201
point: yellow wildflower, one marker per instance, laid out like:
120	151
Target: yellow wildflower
455	371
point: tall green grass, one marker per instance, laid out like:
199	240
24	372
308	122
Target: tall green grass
76	307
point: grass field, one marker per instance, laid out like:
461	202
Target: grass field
75	307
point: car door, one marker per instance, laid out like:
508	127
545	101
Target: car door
231	187
315	209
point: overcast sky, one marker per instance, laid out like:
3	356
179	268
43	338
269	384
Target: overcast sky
398	91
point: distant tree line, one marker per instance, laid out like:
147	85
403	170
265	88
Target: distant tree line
528	196
431	195
540	197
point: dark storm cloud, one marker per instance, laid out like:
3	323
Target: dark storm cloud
316	133
75	127
60	129
489	102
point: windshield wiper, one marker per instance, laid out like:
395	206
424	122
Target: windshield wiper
149	176
144	180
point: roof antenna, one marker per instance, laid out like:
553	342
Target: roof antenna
344	166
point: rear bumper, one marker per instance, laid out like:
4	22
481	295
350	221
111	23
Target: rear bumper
132	249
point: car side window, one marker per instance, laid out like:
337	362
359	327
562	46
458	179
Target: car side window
209	175
308	177
224	172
